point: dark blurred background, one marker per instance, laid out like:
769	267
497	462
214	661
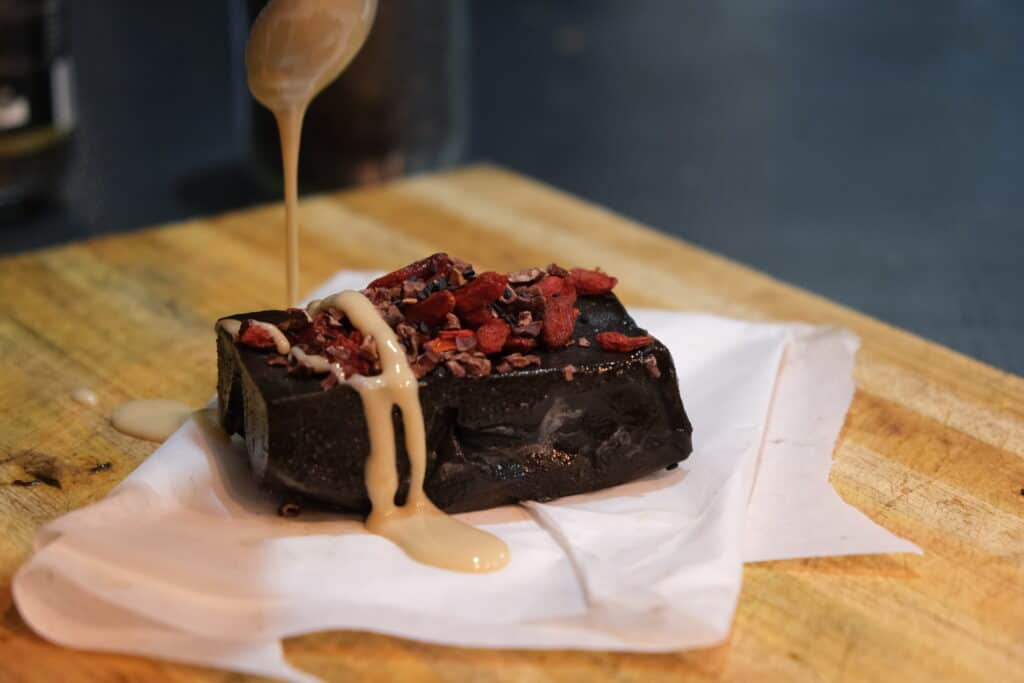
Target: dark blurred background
866	150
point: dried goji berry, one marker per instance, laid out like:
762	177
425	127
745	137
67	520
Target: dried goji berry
559	323
559	312
490	338
480	316
422	269
550	285
592	282
453	334
616	341
480	292
439	345
255	336
433	310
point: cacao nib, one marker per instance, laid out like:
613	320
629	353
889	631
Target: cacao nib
525	277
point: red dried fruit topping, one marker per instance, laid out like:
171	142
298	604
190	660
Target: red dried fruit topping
490	338
520	344
551	285
482	291
433	310
479	317
512	314
592	282
616	341
439	345
255	336
559	318
452	334
423	269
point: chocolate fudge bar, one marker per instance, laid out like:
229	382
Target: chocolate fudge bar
534	385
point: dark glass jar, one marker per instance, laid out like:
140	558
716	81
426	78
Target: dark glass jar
400	106
36	104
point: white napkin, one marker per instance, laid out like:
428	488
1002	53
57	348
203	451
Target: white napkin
187	559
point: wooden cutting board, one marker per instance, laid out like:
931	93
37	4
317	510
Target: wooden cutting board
933	448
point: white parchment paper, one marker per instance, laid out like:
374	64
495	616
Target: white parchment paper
187	560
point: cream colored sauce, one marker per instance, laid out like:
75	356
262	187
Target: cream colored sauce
315	362
230	325
150	419
295	49
87	397
281	343
419	528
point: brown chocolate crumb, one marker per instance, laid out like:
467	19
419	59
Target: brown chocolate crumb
425	363
289	510
584	342
525	277
377	295
569	371
412	288
651	363
409	336
518	360
455	368
529	298
392	315
456	279
368	351
531	329
475	364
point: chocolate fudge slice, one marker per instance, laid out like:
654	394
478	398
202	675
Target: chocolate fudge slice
582	419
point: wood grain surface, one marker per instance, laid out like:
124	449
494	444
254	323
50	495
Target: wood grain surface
933	448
